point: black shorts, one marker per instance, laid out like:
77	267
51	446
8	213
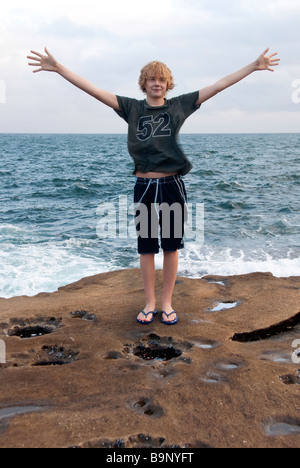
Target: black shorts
160	206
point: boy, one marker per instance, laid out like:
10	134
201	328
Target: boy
154	124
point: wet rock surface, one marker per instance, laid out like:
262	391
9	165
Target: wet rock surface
81	372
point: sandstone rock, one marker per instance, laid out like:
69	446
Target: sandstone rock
81	372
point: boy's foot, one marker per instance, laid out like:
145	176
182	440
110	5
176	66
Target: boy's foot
146	318
169	319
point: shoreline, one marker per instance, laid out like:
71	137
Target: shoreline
158	268
75	376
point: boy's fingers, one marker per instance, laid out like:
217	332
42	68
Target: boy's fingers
36	53
33	58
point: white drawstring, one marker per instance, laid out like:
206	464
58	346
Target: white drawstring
149	183
180	189
179	185
155	199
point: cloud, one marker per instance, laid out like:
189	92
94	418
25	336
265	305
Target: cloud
109	42
65	28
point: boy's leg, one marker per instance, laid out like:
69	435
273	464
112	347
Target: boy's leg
174	195
148	274
144	195
169	274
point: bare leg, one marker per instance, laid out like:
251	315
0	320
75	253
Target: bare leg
170	274
148	274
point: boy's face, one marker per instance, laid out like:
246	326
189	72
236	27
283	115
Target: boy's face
156	87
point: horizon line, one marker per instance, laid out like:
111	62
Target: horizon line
125	133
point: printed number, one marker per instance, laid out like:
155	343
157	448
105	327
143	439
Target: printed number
163	128
157	127
145	128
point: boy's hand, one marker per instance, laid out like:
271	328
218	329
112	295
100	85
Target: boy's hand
45	62
265	62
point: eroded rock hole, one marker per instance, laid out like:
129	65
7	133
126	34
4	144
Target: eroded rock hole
286	427
153	347
30	332
146	407
223	306
157	352
291	379
83	315
55	356
27	330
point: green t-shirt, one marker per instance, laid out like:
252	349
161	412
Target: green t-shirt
153	132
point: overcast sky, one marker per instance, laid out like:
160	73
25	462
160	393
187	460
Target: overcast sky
108	42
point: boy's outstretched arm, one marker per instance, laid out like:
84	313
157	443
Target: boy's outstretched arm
263	62
49	63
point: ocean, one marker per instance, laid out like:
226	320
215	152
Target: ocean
54	190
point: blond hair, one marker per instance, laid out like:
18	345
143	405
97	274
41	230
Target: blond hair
156	69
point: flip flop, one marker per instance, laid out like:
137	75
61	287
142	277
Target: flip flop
144	322
168	315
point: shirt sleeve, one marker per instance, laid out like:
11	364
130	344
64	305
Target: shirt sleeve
187	102
125	105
